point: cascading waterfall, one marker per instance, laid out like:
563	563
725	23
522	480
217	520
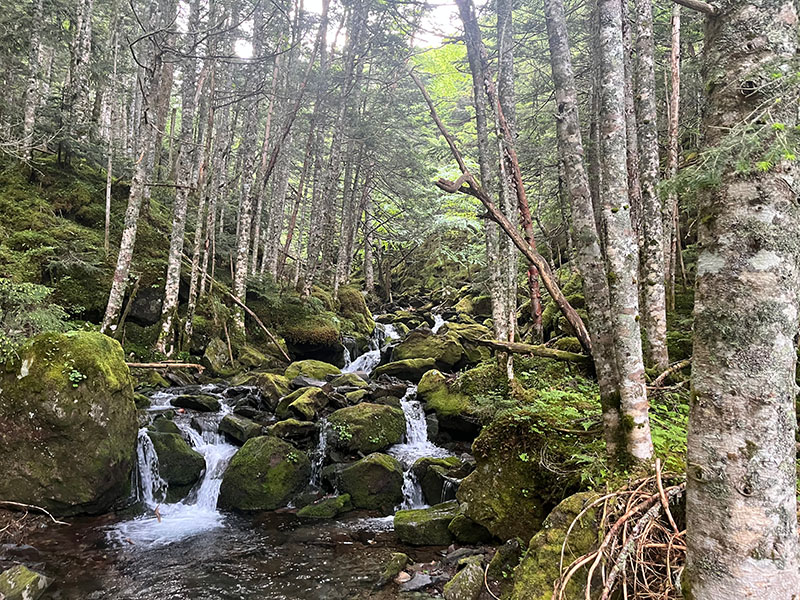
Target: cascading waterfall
372	358
318	458
416	446
198	511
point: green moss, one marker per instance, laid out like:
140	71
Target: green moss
466	531
308	405
315	369
316	329
412	369
349	380
445	349
239	428
353	307
20	583
264	474
327	508
433	390
374	482
178	464
366	427
426	526
292	429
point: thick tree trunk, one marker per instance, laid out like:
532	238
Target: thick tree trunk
588	255
76	107
622	254
652	262
741	507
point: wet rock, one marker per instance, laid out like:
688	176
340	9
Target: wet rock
239	429
389	387
505	560
349	380
446	350
466	585
198	402
375	482
366	428
314	369
302	381
293	430
272	387
467	531
392	568
412	369
453	410
437	479
216	358
327	508
426	526
389	401
178	464
356	396
418	582
308	405
265	474
20	583
68	423
141	401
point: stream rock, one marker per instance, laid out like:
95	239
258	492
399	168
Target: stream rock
467	583
327	508
67	423
20	583
426	526
198	402
216	358
375	482
239	429
293	430
366	428
314	369
272	387
178	464
308	404
453	410
438	477
265	474
412	369
445	349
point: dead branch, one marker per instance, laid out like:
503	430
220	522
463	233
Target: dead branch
165	365
26	507
678	366
543	351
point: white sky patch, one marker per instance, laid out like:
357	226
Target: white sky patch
243	48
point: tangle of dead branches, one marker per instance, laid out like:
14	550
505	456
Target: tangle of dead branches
642	549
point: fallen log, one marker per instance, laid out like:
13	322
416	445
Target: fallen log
543	351
165	365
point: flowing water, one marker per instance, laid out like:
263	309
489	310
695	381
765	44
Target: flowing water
438	323
367	362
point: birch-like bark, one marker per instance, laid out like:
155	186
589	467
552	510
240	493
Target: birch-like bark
654	311
670	215
741	505
31	100
631	137
110	147
622	256
369	267
588	254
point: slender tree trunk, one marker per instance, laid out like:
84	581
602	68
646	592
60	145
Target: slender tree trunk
631	137
369	267
670	215
588	255
31	100
741	505
622	254
110	159
655	306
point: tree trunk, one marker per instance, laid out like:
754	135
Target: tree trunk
369	267
622	255
652	262
741	507
588	255
31	100
670	215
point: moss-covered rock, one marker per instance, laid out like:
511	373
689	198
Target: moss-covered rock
412	369
273	387
445	349
20	583
356	396
375	482
292	429
540	566
308	404
316	336
353	307
198	402
178	465
265	474
216	358
314	369
467	531
453	409
505	560
349	380
392	567
426	526
437	477
240	429
141	401
366	427
67	423
512	490
467	584
163	424
327	508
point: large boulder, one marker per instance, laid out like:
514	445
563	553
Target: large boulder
467	584
366	427
353	308
426	526
445	349
314	369
178	465
374	482
239	429
272	387
454	411
198	402
308	404
293	430
513	488
540	566
316	336
20	583
412	368
265	474
216	358
67	423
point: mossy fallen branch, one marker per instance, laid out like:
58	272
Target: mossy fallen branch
165	365
543	351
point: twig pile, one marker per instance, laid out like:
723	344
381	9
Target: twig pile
642	551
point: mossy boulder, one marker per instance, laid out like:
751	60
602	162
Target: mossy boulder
540	566
375	482
426	526
67	423
356	396
391	568
512	489
454	411
293	429
445	349
273	387
467	584
316	336
238	428
413	368
20	583
178	464
353	307
438	477
327	508
349	380
163	424
366	427
198	402
308	404
313	369
265	474
467	531
216	358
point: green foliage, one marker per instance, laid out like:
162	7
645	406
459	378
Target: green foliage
25	311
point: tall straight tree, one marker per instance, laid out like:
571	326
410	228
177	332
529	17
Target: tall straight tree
741	502
652	260
622	256
588	254
670	216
